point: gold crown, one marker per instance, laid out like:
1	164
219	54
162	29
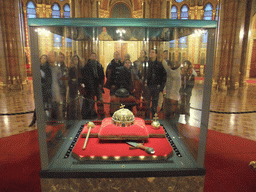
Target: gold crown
123	117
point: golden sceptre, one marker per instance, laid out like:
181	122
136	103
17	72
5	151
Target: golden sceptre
90	125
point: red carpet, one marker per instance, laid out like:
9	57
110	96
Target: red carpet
227	160
20	163
226	163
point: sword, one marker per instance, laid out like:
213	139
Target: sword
149	150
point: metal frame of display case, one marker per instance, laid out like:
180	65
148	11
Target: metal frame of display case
120	169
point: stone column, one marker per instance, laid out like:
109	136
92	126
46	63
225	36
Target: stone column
94	8
244	56
13	68
163	9
39	10
48	11
147	8
230	41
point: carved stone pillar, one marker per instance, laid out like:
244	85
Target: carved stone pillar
147	8
94	8
200	12
39	10
48	11
13	68
163	9
192	14
213	14
230	42
178	13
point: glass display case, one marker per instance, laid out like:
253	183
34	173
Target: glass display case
88	123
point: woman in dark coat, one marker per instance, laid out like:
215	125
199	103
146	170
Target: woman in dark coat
73	84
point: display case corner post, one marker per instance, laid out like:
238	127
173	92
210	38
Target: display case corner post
206	97
39	107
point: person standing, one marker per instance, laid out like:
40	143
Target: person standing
161	94
73	84
111	73
156	79
57	100
188	75
93	79
46	81
173	85
64	78
139	75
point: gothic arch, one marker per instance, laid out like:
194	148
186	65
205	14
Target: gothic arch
125	14
128	3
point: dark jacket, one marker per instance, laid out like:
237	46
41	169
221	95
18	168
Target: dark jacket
188	82
139	70
46	81
111	73
124	78
73	82
156	74
92	75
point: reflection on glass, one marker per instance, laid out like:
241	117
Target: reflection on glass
87	73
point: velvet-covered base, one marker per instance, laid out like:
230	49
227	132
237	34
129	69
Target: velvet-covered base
119	150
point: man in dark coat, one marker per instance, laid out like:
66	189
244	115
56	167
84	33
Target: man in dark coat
139	77
93	79
156	79
124	77
111	73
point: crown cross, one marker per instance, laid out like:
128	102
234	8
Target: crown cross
122	106
156	117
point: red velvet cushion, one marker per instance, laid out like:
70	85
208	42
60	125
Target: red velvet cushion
109	131
153	133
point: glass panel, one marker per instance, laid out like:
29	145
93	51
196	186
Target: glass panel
81	82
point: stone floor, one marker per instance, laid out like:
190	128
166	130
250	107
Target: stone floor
240	100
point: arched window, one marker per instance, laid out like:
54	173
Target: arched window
66	9
57	40
183	42
31	10
208	11
184	12
55	11
174	14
